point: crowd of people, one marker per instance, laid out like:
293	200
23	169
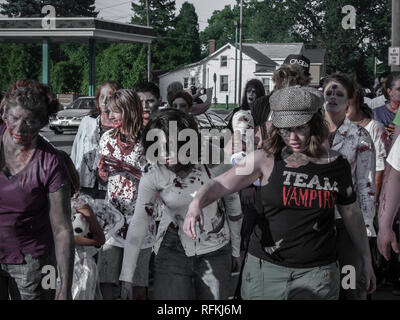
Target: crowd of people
311	193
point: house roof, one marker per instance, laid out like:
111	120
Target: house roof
315	55
277	50
258	56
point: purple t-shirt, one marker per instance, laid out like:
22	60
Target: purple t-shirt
383	115
24	204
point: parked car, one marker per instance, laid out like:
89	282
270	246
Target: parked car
71	116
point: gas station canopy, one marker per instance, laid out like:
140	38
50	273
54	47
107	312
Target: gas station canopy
71	30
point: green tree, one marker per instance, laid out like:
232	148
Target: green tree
123	63
220	27
162	19
33	8
185	42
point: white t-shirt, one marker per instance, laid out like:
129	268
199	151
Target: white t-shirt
394	156
381	142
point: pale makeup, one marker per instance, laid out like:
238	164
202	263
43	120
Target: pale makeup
105	93
335	96
115	119
394	92
149	103
251	94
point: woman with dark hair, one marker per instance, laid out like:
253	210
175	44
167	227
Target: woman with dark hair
182	101
120	164
360	114
183	269
34	200
86	142
292	248
355	143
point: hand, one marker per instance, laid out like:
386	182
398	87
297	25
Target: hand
126	290
368	277
387	239
189	225
102	170
235	264
247	196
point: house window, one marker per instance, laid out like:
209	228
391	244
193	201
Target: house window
223	86
266	82
224	61
185	83
192	81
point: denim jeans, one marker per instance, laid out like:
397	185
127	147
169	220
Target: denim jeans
262	280
202	277
24	281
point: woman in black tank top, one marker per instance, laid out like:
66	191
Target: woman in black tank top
292	253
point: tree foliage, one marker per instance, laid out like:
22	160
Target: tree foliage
33	8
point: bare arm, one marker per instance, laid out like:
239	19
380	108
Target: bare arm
388	208
246	172
354	223
60	218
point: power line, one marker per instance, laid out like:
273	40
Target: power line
116	5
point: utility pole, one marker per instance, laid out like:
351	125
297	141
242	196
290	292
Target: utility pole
236	53
148	45
240	48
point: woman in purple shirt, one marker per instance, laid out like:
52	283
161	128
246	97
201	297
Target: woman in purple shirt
34	201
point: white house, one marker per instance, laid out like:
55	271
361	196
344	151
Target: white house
259	61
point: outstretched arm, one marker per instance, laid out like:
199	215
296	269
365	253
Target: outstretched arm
61	224
243	174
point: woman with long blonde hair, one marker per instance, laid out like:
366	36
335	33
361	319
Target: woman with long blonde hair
120	164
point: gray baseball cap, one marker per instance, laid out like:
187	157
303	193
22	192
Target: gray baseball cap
295	106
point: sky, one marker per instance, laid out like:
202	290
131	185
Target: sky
120	10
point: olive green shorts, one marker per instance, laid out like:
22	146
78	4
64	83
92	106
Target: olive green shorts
262	280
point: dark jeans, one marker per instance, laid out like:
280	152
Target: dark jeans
203	277
24	281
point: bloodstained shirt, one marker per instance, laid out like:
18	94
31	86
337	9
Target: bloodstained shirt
122	187
24	204
355	143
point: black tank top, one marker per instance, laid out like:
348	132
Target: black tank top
296	224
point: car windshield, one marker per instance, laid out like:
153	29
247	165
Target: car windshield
84	104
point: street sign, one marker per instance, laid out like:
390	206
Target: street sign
394	56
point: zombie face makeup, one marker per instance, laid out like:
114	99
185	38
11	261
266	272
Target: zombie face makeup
297	138
115	119
105	93
181	104
22	124
150	104
394	93
251	94
335	96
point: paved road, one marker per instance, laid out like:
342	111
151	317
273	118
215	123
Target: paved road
60	141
